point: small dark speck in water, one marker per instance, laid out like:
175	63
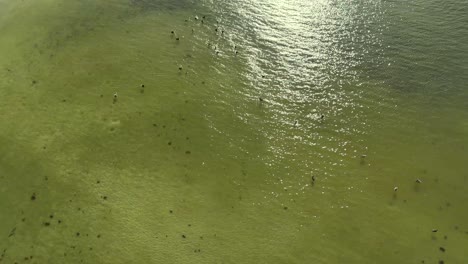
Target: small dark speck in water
104	197
189	225
77	234
51	216
170	211
169	143
34	82
98	236
456	227
142	86
59	221
98	182
285	208
183	236
441	262
188	152
46	224
33	197
434	230
445	237
442	249
260	99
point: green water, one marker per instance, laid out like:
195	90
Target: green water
194	168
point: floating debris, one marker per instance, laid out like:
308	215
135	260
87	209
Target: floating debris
418	181
434	230
442	249
115	97
395	188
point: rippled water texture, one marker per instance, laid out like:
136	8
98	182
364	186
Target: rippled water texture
157	131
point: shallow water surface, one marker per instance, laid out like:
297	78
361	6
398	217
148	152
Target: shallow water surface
257	132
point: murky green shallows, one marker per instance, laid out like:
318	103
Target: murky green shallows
170	131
